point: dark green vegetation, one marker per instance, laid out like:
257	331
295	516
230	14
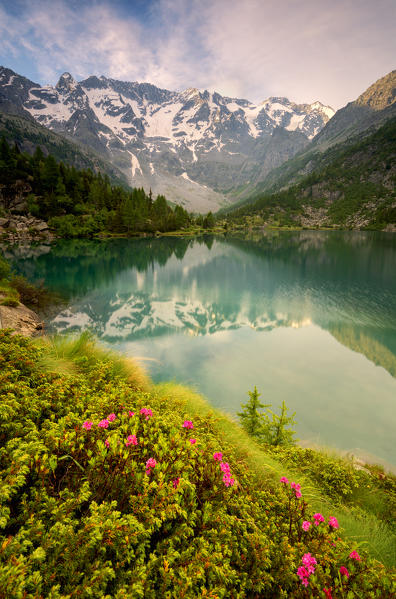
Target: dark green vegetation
266	426
112	487
351	186
80	203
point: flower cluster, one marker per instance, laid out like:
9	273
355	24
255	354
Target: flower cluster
131	440
306	525
318	518
344	571
146	412
188	424
297	489
333	522
225	468
111	417
103	423
87	425
218	456
193	441
307	568
295	486
355	555
150	464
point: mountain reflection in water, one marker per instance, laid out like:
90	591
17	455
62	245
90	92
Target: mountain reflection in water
199	308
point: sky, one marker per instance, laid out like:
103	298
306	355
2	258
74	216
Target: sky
305	50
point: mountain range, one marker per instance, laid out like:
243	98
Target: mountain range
345	177
195	147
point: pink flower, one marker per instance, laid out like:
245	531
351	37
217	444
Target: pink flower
151	463
344	571
131	440
302	572
228	481
146	412
175	482
87	425
295	486
111	417
318	518
355	555
284	480
225	467
192	441
327	592
130	414
308	560
103	423
107	443
333	522
306	525
298	493
188	424
218	456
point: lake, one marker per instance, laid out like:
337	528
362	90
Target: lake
308	317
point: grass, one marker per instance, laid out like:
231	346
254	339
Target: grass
8	295
72	355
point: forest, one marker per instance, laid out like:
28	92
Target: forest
81	203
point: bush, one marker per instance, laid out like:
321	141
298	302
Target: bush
108	491
9	301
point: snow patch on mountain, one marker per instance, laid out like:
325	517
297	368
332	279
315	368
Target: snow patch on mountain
193	146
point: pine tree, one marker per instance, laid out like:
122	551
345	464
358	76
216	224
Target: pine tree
251	419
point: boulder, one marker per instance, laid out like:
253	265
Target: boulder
24	321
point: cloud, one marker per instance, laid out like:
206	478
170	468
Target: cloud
306	49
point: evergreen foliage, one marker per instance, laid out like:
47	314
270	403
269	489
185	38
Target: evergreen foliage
350	183
267	427
80	203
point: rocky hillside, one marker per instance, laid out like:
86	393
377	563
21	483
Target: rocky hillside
28	134
355	187
372	109
194	147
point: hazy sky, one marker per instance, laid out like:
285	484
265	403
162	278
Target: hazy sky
327	50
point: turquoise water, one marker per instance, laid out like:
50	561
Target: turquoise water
307	317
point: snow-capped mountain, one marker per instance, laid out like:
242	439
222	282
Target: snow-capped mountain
193	146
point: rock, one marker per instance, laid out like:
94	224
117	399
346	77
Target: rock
4	222
41	226
24	321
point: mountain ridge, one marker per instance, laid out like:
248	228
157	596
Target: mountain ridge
192	146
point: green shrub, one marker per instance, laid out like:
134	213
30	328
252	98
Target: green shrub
9	301
267	427
109	491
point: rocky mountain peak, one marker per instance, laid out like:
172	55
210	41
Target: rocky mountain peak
66	83
381	94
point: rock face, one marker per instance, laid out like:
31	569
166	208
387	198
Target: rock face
15	227
21	319
193	146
